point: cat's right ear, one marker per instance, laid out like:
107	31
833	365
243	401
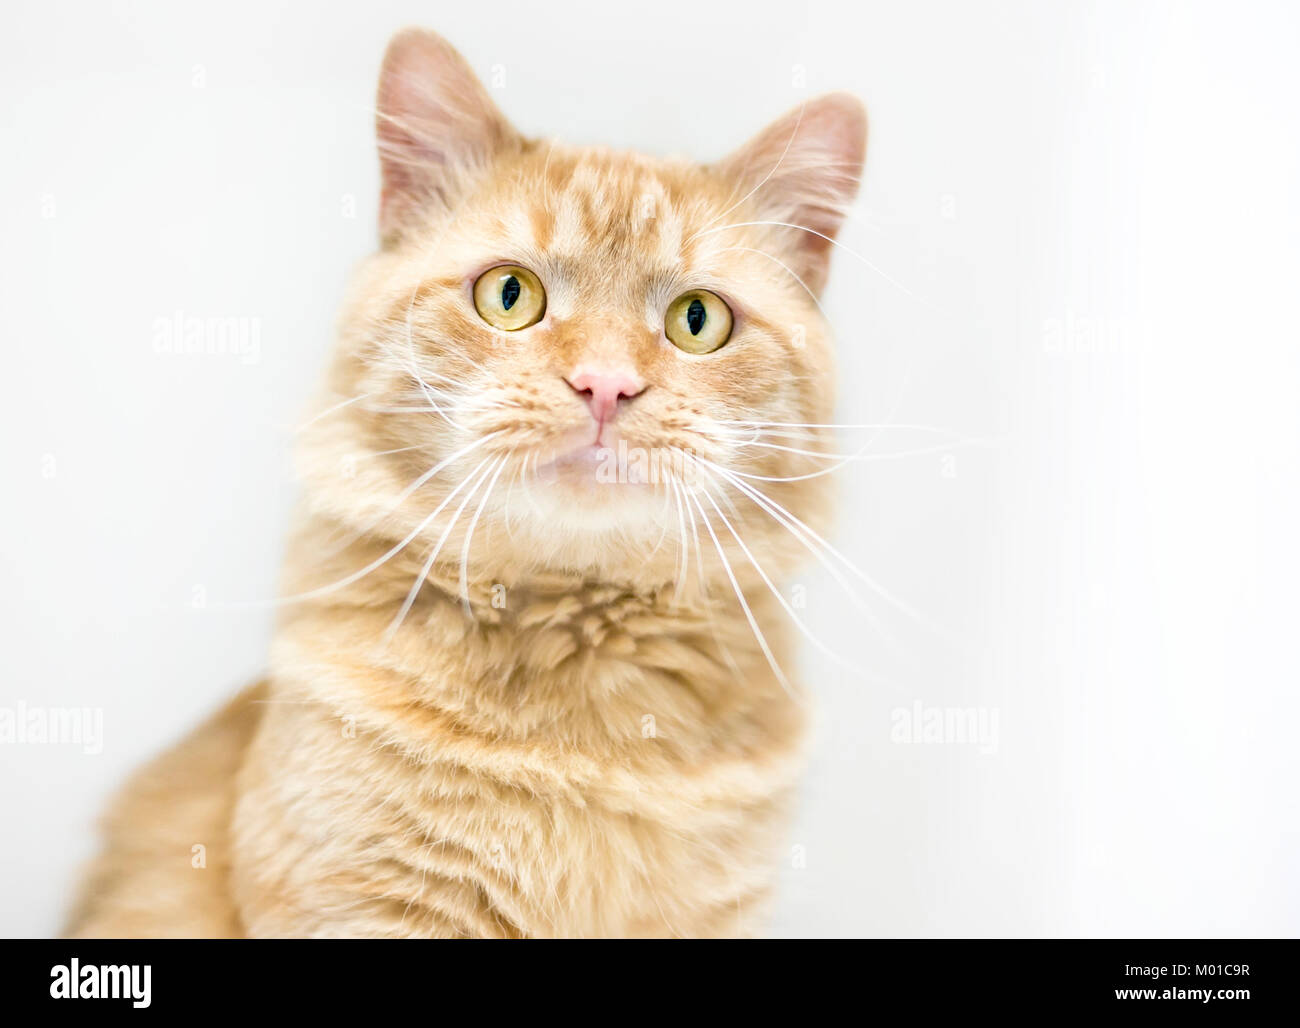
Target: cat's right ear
437	127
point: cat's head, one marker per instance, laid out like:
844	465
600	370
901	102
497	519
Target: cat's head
598	351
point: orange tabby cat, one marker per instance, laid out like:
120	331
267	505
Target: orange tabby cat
530	676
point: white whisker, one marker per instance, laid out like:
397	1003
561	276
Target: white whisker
358	575
859	573
810	424
684	544
859	457
795	528
821	235
766	178
433	553
763	253
469	536
807	633
330	410
744	604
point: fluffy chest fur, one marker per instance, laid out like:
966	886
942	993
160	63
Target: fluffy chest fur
576	760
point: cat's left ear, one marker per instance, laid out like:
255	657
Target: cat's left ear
437	126
803	170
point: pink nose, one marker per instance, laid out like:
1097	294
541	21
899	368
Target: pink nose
603	389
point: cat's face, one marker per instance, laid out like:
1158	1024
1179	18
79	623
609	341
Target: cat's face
591	344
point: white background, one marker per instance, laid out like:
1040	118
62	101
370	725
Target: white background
1076	251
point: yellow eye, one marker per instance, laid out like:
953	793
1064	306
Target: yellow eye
698	321
509	297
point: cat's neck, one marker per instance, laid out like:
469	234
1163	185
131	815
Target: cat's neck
551	657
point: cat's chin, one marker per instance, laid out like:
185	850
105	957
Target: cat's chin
577	467
609	469
591	488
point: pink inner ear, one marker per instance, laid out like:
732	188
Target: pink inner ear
436	127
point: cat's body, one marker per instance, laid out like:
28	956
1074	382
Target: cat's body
578	723
475	783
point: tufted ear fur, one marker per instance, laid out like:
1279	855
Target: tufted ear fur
803	170
437	129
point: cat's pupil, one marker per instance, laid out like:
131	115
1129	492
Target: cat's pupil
510	292
695	314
